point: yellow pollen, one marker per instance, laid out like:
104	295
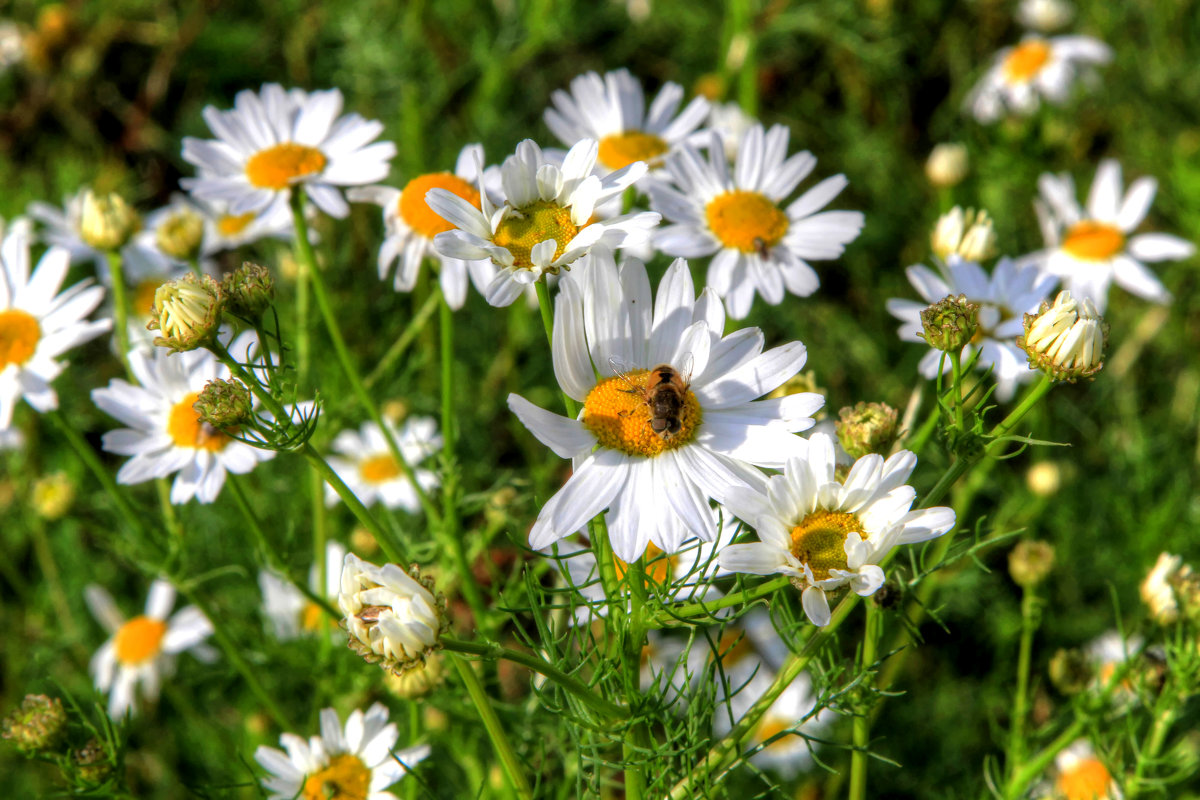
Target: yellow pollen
346	778
139	639
143	297
379	469
1087	780
622	149
619	417
1026	61
187	430
536	223
312	617
19	335
232	225
1093	241
280	166
659	567
819	540
417	214
746	221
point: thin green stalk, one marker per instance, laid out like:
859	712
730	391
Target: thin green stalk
637	736
487	715
49	566
303	310
305	255
231	651
543	295
686	613
120	307
406	338
861	727
492	651
88	456
1166	708
956	373
1016	734
316	488
170	517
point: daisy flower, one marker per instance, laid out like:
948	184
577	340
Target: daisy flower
142	650
1004	297
545	222
289	610
1088	249
1037	67
612	110
1081	775
356	762
656	475
410	226
209	228
38	323
825	534
273	140
164	433
364	462
736	217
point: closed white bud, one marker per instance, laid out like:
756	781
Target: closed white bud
947	165
1044	16
968	234
1157	591
1066	340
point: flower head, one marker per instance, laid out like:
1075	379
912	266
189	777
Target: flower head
1093	247
365	463
947	165
867	428
107	222
1030	562
612	110
1081	775
950	324
393	618
669	415
759	245
967	234
291	613
180	233
1037	67
825	534
357	762
1158	589
1045	16
273	141
38	323
187	311
142	650
249	290
1065	340
544	224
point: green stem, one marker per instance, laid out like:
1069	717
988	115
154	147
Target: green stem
233	653
120	307
170	517
861	727
956	372
686	613
1165	711
638	744
543	296
487	715
49	566
319	533
304	253
493	651
407	337
1016	735
88	456
303	309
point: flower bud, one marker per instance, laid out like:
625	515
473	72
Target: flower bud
224	403
52	495
866	428
92	762
187	311
1045	16
947	165
419	681
1065	340
39	725
250	289
968	234
950	323
1071	671
1158	591
1030	562
180	234
1044	478
106	221
394	619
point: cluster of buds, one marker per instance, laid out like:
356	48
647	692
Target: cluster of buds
968	234
187	311
1030	562
38	726
950	323
867	428
393	617
250	290
947	165
1065	340
224	404
1171	590
106	222
180	234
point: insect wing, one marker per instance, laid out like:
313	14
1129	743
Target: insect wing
621	370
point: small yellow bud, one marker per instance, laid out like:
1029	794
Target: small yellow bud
52	495
1071	671
867	428
947	165
106	221
363	541
180	234
187	311
968	234
1044	478
950	323
419	681
1030	562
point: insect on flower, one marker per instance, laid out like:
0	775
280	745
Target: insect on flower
664	389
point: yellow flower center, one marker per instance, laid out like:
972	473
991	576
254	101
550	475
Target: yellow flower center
1086	780
280	166
188	430
143	297
417	214
618	412
819	540
659	567
231	224
536	222
772	725
746	221
139	639
19	335
1093	241
379	469
1026	61
346	778
312	617
622	149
